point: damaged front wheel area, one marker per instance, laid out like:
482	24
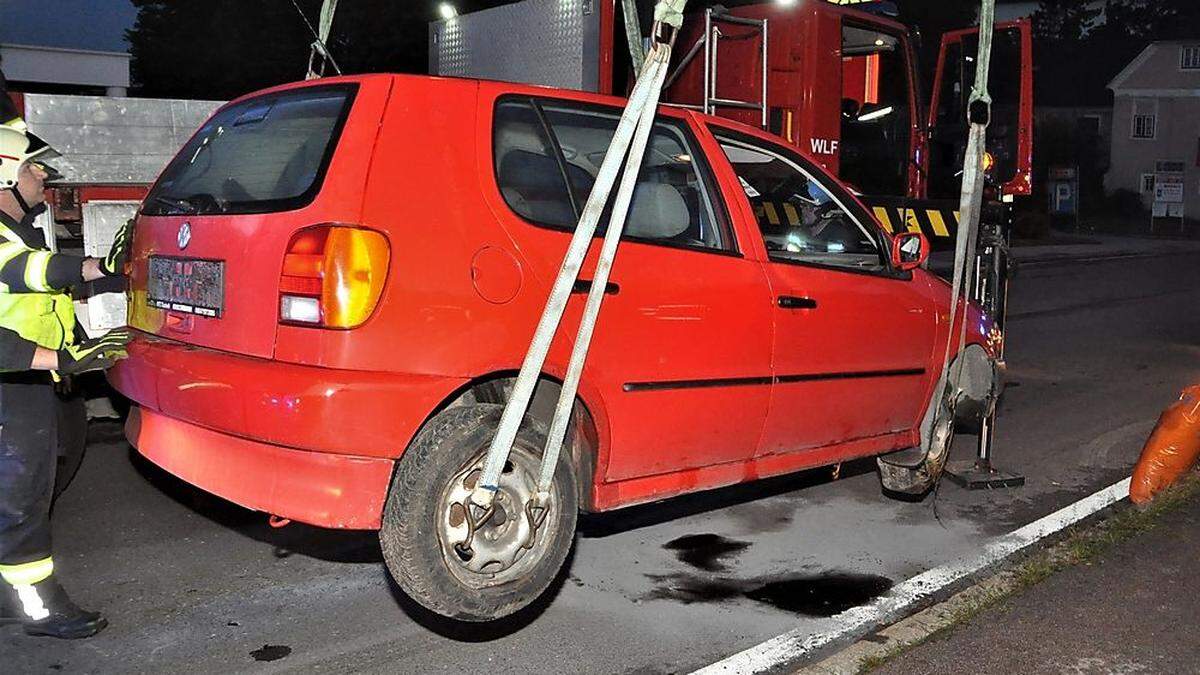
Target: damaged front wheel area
463	562
961	407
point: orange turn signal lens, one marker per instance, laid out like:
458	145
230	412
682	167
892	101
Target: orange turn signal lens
355	270
989	162
333	276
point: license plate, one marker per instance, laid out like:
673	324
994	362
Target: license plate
187	285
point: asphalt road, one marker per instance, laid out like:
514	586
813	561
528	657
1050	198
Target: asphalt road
194	584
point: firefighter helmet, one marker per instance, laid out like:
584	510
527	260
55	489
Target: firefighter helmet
18	146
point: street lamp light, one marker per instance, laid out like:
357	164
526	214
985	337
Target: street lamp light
447	11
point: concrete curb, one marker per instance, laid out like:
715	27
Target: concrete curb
799	644
1015	576
916	628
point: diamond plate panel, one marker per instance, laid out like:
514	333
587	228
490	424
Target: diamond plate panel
101	221
548	42
112	140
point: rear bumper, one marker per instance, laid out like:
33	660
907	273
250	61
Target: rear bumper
356	413
321	489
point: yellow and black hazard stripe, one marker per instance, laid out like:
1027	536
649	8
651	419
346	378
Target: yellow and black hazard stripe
777	214
937	219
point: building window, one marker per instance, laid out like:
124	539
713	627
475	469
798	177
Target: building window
1147	183
1143	126
1190	59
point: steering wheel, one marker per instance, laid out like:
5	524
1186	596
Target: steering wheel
834	211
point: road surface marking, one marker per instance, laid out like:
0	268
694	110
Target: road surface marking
802	642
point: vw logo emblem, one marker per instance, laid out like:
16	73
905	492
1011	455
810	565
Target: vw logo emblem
185	235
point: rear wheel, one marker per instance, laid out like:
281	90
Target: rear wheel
433	546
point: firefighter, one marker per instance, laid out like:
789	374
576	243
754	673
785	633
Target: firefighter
34	306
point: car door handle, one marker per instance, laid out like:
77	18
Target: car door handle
794	302
585	286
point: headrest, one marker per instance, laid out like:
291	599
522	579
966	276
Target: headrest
659	211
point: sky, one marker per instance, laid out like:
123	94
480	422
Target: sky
71	24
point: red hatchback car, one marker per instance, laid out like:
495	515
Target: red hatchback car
335	282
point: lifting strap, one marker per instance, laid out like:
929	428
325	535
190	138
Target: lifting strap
316	66
633	34
628	148
970	207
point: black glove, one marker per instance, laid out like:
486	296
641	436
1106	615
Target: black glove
114	263
95	354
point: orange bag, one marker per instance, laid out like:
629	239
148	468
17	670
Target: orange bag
1171	450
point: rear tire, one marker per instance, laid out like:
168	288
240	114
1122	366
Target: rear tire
423	519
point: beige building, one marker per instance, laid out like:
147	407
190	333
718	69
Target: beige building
1156	120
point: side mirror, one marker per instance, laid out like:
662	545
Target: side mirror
910	250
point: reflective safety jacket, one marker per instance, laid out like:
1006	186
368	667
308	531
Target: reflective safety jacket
16	353
32	281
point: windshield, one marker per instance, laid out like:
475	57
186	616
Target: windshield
265	154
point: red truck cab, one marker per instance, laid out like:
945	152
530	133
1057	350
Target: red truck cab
334	282
878	134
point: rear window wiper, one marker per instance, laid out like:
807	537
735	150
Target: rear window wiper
205	202
180	205
201	202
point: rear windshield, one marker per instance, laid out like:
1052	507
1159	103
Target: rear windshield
264	154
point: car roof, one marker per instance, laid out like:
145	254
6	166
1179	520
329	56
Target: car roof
499	87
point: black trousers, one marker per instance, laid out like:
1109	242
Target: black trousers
29	420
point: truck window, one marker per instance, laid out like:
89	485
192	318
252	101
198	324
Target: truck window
265	154
948	141
876	121
545	173
801	219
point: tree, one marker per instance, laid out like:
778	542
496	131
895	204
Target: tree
215	48
933	18
224	48
1065	19
1150	20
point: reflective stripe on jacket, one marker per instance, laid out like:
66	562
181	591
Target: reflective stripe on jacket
30	305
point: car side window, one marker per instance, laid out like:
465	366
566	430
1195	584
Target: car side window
800	218
546	171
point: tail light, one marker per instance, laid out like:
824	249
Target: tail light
332	276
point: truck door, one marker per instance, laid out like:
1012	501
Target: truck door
1010	134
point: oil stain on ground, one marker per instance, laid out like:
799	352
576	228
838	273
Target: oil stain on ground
811	595
824	595
271	652
705	551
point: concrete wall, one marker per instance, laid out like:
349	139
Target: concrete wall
1177	138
